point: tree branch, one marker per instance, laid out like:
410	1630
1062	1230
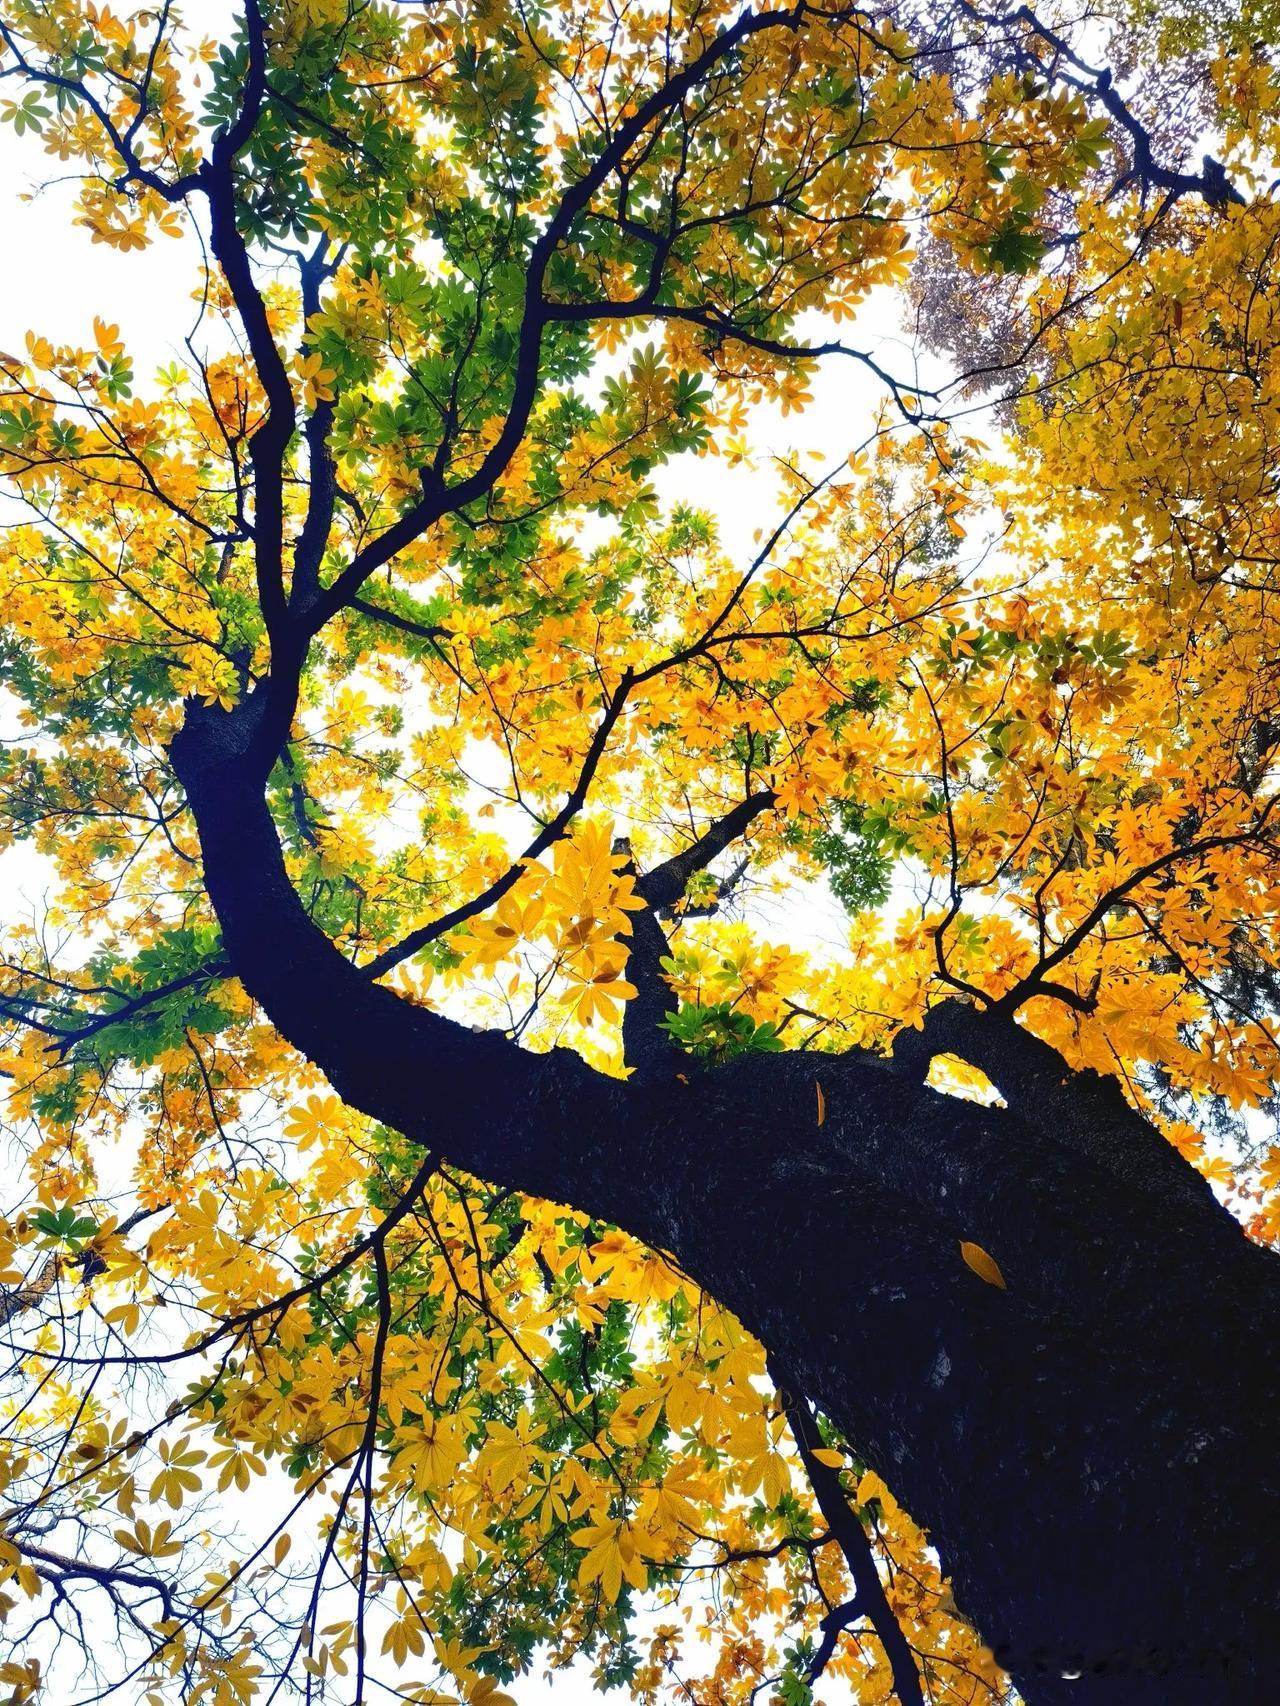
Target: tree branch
845	1528
1211	183
644	1043
546	837
440	498
269	443
322	486
1036	981
1078	1110
665	884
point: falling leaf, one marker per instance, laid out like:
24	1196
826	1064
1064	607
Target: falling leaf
822	1102
979	1262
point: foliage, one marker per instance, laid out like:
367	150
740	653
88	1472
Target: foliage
296	1406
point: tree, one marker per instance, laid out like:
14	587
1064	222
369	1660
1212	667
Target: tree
411	775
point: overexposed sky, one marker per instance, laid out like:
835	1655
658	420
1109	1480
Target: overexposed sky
57	280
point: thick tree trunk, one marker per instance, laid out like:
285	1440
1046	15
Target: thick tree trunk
1093	1450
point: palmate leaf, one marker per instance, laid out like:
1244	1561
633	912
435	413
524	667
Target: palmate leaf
457	828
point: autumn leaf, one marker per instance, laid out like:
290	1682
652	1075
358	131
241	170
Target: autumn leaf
455	751
976	1259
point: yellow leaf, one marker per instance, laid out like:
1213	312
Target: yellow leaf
485	1692
979	1262
775	1480
829	1459
822	1102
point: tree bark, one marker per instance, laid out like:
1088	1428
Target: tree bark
1093	1450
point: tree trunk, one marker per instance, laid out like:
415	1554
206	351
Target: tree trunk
1093	1450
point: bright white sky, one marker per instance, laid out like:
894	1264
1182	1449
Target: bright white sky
57	279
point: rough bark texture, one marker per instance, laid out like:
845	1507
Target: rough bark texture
1093	1450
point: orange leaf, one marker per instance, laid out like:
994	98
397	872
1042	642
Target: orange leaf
979	1262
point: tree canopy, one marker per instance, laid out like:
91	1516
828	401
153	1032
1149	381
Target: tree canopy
455	1225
